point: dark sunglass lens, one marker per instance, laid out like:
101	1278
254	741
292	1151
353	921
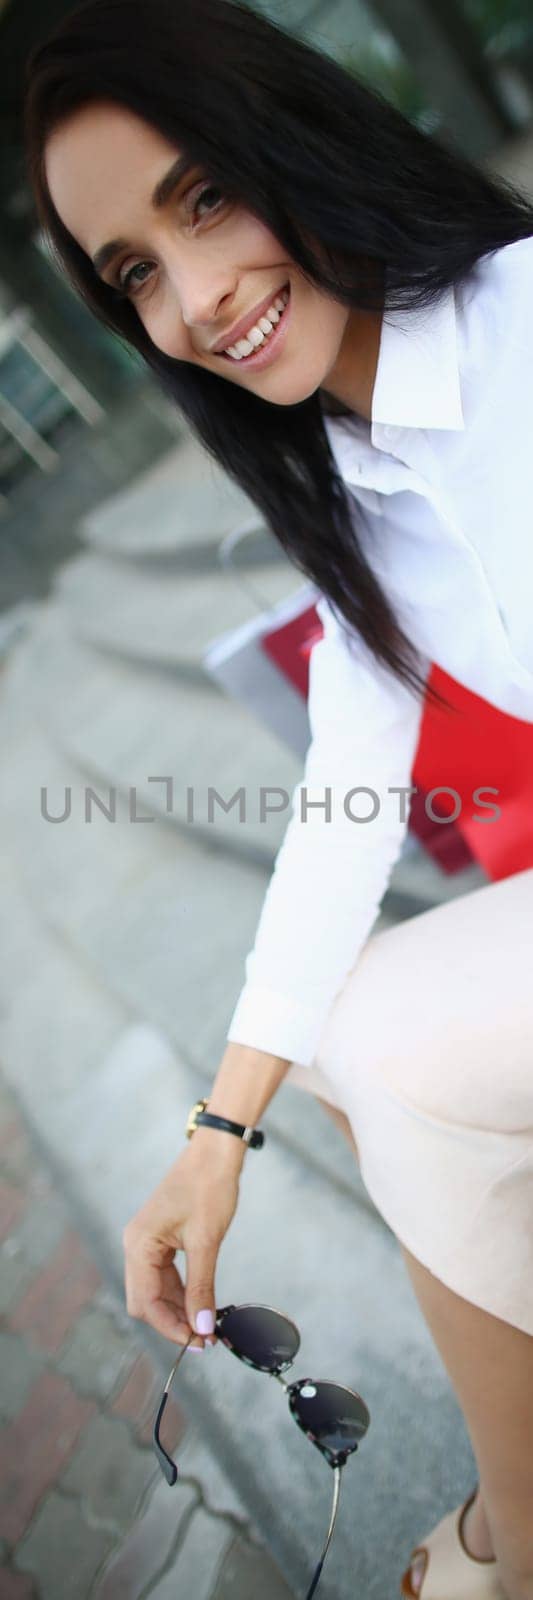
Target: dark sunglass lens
260	1336
335	1418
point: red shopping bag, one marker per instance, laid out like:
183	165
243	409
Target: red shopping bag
476	749
479	748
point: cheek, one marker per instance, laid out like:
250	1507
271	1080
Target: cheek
252	243
163	323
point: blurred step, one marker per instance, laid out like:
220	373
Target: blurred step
141	614
175	955
183	505
121	725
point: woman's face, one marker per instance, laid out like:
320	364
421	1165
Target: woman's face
192	262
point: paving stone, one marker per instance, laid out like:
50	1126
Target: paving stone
16	1155
13	1202
96	1353
220	1492
105	1299
62	1551
15	1274
7	1102
16	1585
145	1553
21	1365
248	1569
138	1401
53	1301
30	1244
43	1225
174	1427
198	1559
110	1472
35	1447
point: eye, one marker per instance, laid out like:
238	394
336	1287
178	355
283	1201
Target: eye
208	189
129	283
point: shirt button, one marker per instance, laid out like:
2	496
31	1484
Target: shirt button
388	431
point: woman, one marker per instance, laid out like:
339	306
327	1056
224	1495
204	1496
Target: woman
341	309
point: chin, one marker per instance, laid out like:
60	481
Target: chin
293	393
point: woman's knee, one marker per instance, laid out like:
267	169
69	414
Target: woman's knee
454	1036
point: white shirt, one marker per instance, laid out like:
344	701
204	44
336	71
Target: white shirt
442	476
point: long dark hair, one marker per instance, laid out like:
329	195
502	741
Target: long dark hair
371	209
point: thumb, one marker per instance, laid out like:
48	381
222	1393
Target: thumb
200	1302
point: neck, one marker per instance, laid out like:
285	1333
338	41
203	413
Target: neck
351	379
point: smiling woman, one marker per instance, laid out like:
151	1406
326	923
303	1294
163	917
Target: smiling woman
189	163
185	252
277	241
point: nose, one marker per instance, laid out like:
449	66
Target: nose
205	298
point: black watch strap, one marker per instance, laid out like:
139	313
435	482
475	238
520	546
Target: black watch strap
200	1117
251	1136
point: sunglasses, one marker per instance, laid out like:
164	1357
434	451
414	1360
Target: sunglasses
334	1418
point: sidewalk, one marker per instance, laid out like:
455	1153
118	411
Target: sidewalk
84	1511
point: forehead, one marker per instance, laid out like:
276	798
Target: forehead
101	164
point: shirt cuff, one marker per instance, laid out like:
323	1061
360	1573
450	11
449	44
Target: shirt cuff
274	1022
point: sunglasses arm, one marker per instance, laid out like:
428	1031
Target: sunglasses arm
335	1506
168	1466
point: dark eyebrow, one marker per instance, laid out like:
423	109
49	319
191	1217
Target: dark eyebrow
166	186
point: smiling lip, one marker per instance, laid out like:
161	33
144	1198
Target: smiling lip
240	328
267	352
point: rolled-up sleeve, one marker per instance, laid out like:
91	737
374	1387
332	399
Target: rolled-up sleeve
333	866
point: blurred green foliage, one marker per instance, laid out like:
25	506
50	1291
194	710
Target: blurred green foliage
504	27
388	71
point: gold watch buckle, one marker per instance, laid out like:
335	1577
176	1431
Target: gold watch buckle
194	1112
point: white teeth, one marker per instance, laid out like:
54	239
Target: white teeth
260	331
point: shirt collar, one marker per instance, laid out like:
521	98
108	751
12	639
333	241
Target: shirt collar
417	375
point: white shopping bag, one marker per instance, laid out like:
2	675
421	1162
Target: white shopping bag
264	663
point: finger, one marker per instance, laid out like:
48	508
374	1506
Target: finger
173	1293
148	1277
162	1316
156	1295
200	1287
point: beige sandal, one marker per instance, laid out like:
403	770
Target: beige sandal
450	1572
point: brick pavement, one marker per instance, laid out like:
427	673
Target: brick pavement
84	1511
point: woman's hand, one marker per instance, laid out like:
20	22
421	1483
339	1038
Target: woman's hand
191	1210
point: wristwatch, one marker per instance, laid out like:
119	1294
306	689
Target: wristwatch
199	1117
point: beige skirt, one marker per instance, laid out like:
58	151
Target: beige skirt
428	1049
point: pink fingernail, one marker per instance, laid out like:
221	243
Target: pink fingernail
205	1322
